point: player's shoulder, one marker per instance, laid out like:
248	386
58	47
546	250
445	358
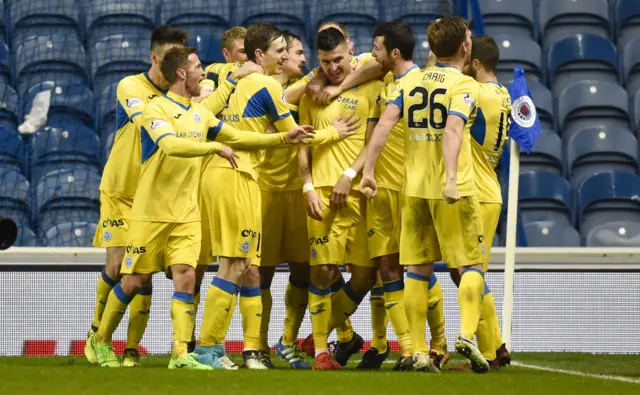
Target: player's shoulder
134	81
156	105
361	59
266	81
372	86
466	83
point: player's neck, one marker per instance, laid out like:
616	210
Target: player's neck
179	91
154	76
402	66
451	62
483	77
282	78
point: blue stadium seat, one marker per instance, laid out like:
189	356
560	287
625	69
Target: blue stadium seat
54	148
592	103
519	51
607	197
562	18
546	154
209	48
421	51
8	106
636	111
38	17
286	14
418	13
118	55
631	66
14	195
598	150
358	15
102	15
614	234
627	13
2	27
544	196
68	103
505	17
107	104
197	16
5	64
12	154
25	237
50	58
551	234
581	57
70	234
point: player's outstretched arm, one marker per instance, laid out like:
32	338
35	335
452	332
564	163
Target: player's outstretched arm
363	74
216	101
240	139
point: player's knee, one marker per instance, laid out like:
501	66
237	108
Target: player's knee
455	276
300	273
115	255
233	269
322	276
184	278
251	277
390	269
266	276
425	270
131	284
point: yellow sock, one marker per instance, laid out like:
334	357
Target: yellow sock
345	331
435	316
344	304
251	311
379	319
296	299
470	296
415	294
183	319
394	305
105	285
320	306
114	310
486	341
267	301
139	309
218	310
497	335
196	303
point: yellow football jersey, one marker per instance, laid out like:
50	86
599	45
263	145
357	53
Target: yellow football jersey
427	99
355	62
216	72
330	160
489	132
390	166
122	171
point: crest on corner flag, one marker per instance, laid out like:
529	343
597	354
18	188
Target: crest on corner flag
525	125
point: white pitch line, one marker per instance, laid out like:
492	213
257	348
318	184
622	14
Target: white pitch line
577	373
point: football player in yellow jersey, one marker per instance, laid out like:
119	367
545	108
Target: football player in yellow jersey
337	227
118	186
441	215
234	212
165	228
233	45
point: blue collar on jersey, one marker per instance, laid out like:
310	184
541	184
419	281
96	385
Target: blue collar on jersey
445	66
163	91
415	66
494	83
177	100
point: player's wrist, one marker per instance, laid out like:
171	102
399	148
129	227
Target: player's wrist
308	187
350	173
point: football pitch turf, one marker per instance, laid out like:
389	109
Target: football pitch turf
562	374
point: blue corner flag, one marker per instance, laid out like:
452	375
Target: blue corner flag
525	125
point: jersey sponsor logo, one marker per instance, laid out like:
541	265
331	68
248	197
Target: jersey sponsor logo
116	223
249	233
128	261
196	117
319	240
469	101
523	112
230	118
133	102
136	250
107	236
158	124
349	104
177	116
189	135
431	137
245	246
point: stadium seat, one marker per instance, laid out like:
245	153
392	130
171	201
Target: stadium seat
518	51
592	103
209	48
562	18
5	64
53	148
631	66
197	16
70	234
636	112
505	17
421	51
26	237
38	17
614	234
581	57
68	103
12	154
14	195
102	15
8	106
50	58
546	154
607	197
116	56
2	27
598	150
359	16
107	104
627	14
283	13
551	234
544	196
418	13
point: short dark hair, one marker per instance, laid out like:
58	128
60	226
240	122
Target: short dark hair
260	36
168	35
175	58
329	39
486	50
341	27
290	37
397	35
446	35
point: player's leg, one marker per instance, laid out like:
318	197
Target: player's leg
139	310
379	349
250	302
204	260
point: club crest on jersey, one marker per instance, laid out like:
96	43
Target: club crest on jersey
245	246
470	101
158	124
133	102
523	112
128	262
196	117
107	236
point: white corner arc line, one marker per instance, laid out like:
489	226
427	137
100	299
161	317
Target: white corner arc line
577	373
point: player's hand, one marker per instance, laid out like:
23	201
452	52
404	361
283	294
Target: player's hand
246	69
205	91
229	155
340	192
315	207
329	93
450	193
348	126
301	134
314	87
368	186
